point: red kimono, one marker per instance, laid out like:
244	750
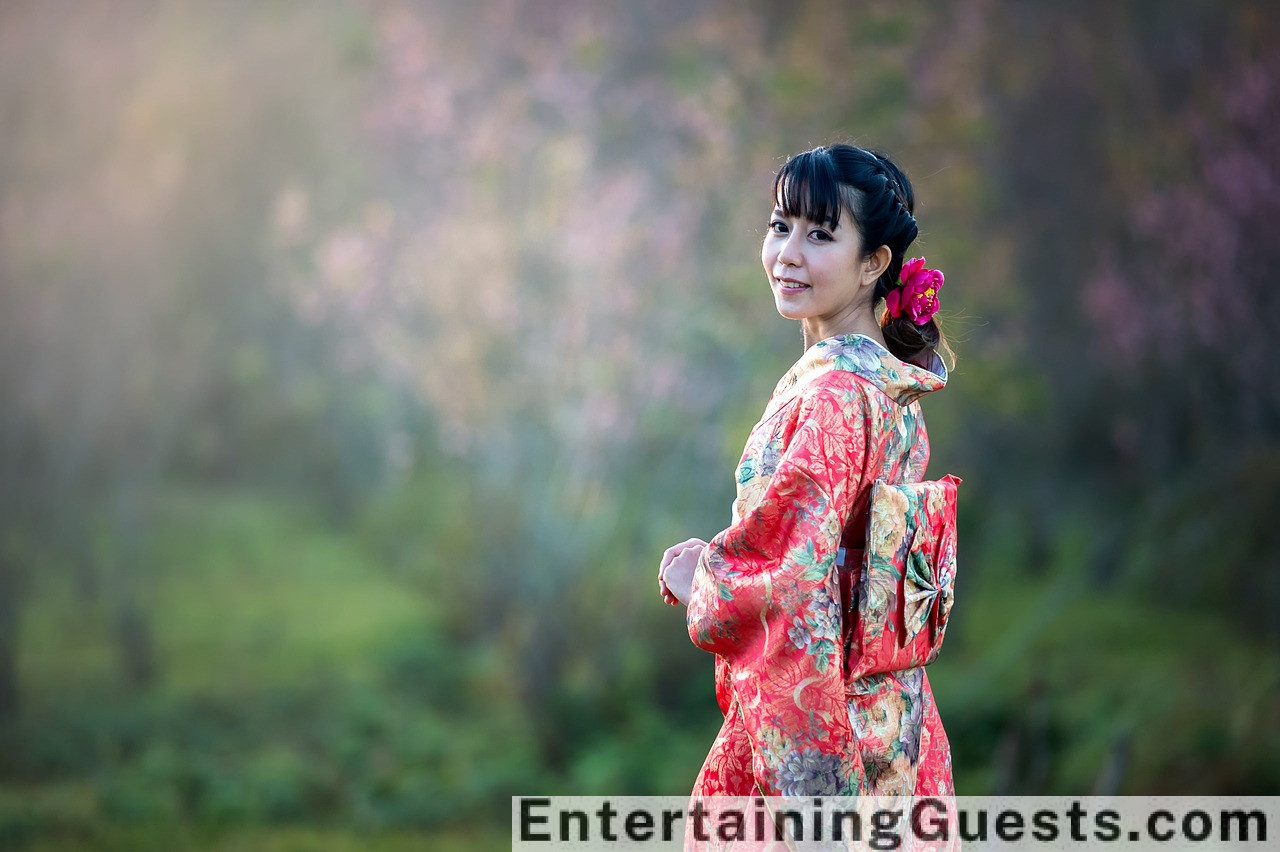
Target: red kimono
830	590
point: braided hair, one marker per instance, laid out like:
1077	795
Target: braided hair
820	184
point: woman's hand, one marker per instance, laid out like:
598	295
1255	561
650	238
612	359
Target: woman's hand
675	571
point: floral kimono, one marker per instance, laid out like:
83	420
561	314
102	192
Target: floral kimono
829	591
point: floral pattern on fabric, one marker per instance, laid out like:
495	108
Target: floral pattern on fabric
907	585
771	602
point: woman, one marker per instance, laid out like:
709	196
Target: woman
819	666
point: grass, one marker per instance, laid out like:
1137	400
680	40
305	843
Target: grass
240	594
253	607
266	839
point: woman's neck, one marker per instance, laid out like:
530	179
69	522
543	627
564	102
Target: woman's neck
816	329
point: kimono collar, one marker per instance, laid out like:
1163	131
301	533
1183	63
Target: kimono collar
859	354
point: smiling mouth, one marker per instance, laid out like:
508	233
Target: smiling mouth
793	286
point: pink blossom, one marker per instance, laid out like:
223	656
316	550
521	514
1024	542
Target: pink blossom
911	267
918	295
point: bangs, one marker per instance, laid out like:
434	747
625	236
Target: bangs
807	187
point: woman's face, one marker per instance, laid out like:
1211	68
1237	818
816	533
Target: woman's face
816	272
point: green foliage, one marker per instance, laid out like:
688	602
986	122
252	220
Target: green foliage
412	738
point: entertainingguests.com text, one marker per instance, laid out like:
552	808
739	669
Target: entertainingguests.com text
800	823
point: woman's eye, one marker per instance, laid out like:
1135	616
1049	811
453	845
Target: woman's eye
778	227
820	235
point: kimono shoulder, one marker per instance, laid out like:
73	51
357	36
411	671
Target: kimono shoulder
858	355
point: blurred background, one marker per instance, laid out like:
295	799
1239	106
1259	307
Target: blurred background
359	359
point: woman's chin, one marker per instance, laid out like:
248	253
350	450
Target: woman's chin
790	310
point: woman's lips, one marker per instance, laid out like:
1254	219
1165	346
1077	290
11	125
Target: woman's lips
789	286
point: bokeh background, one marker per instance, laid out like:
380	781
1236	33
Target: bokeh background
359	359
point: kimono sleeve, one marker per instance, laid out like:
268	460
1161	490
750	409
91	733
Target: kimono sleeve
766	598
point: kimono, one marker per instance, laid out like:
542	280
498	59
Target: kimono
819	665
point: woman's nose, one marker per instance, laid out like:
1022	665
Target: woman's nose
789	253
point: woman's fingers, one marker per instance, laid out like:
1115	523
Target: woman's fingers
666	593
675	550
670	555
670	552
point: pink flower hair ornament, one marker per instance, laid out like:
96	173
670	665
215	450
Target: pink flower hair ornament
917	294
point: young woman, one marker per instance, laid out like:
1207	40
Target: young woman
829	591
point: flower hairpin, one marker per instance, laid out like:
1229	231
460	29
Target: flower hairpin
916	295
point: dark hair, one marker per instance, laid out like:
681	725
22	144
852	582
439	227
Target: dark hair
819	184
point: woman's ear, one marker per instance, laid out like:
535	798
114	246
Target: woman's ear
876	263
